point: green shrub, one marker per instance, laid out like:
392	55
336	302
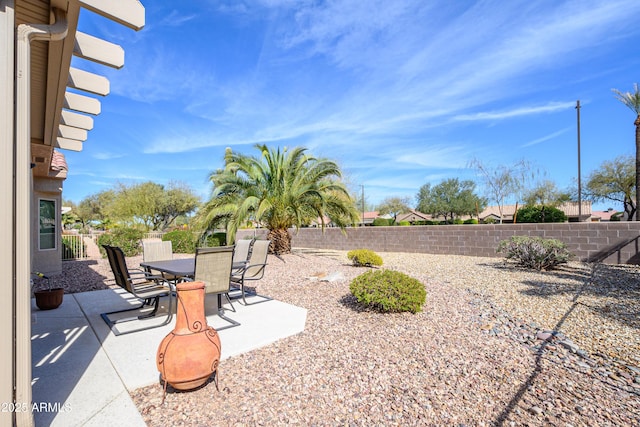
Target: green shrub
404	223
425	222
535	252
127	239
215	239
471	221
364	257
389	291
458	221
617	216
489	220
540	213
380	222
182	241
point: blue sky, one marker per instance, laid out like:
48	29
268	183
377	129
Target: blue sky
399	93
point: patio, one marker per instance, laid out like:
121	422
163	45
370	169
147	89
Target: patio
460	361
83	373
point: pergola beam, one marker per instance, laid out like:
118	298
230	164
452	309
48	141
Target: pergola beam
69	132
129	13
68	144
88	82
81	103
76	120
98	50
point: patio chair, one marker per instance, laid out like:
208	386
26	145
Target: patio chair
253	270
213	267
241	252
157	250
141	285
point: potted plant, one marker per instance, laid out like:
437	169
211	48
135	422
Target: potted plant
49	298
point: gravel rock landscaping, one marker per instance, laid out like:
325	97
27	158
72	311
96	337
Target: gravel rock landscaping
494	345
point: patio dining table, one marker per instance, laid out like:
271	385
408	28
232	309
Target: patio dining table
179	267
182	268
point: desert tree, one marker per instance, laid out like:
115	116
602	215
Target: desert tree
502	182
614	180
394	206
451	198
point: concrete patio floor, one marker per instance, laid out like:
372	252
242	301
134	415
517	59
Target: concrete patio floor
82	372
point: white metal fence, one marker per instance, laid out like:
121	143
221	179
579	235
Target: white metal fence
75	246
154	235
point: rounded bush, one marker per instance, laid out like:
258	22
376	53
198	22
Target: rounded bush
364	258
182	241
540	213
389	291
471	221
381	222
127	239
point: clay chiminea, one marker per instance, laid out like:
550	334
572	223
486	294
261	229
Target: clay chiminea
190	353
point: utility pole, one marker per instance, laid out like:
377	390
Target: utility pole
579	179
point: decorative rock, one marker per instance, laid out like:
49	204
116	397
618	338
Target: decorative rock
569	345
536	410
332	277
544	336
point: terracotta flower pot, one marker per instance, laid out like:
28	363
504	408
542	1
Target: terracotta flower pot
189	354
49	299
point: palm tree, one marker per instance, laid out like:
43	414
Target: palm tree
279	190
632	100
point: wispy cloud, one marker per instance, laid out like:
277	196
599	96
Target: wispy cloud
395	69
552	107
103	155
547	137
176	19
399	92
436	157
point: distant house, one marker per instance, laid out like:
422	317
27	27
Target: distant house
412	217
493	213
368	220
319	221
368	217
570	209
598	216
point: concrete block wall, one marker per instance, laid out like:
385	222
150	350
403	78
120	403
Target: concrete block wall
585	240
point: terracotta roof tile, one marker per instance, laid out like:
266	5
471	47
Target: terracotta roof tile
58	162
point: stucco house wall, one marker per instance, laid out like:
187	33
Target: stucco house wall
47	261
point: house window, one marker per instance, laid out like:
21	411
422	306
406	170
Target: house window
47	224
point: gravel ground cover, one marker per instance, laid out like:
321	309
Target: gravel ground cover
495	345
